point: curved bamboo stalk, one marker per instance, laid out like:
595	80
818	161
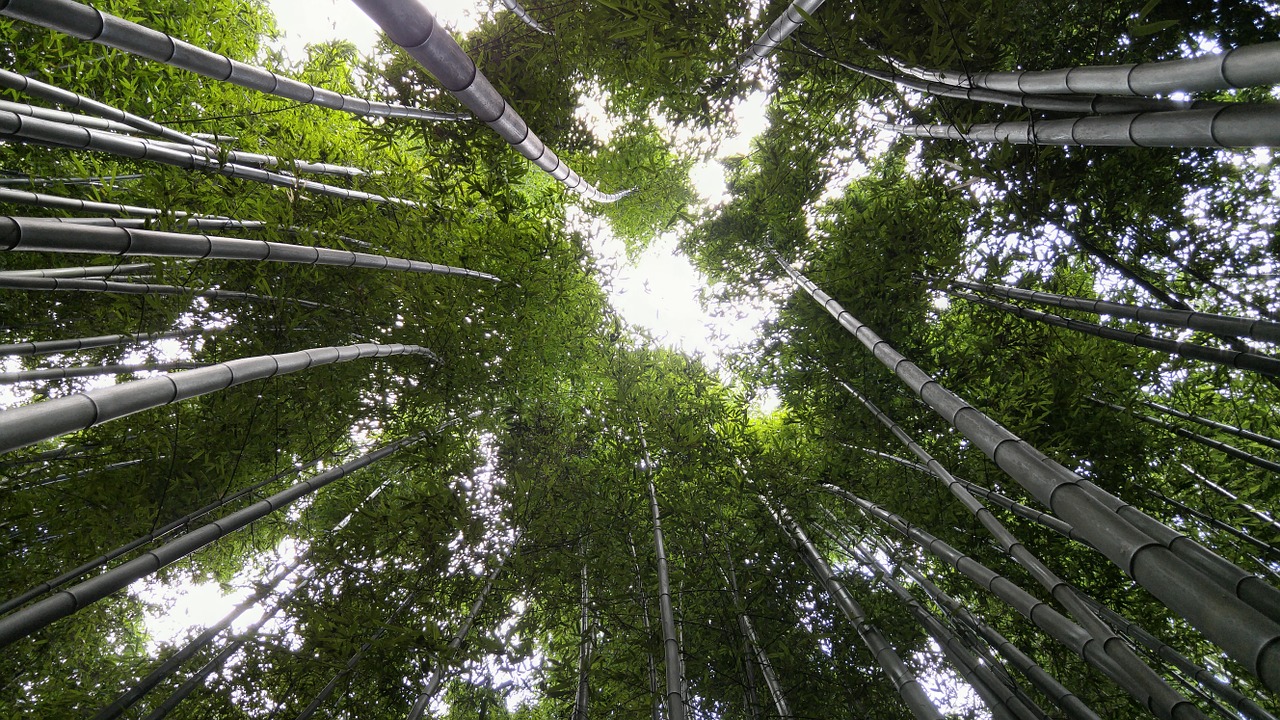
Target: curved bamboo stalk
1240	67
139	690
903	680
21	234
1160	698
1239	432
35	130
1231	358
139	288
1232	126
81	272
1264	330
1216	609
34	617
1070	703
182	522
411	25
524	16
66	98
455	643
782	27
87	23
1224	448
29	424
1002	700
66	373
1092	104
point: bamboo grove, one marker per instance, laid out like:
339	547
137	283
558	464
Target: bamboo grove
331	334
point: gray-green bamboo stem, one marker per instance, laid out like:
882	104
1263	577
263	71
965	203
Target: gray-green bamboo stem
1259	515
66	602
655	704
780	29
126	700
411	25
66	373
1070	703
87	23
1239	432
524	16
455	643
1264	330
1224	448
43	132
1272	552
1000	698
585	649
757	650
1216	608
66	98
1240	67
82	272
29	424
1231	358
670	642
43	235
139	288
1232	126
152	536
903	680
1093	104
1160	698
66	345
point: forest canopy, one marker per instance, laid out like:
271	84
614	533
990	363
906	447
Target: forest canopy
333	332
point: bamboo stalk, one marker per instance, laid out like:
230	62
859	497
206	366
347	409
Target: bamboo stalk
1000	698
28	129
1224	448
903	680
585	628
1232	126
66	98
42	235
81	272
524	16
39	615
1270	550
67	118
1216	609
1160	697
460	636
780	29
29	424
670	642
655	705
160	532
1239	432
88	23
757	649
1248	66
66	373
1093	104
139	288
1257	514
1264	330
411	25
129	697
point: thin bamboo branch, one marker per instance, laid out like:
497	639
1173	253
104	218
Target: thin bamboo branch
757	650
1262	517
1239	432
139	288
88	23
43	613
412	26
524	16
82	272
1224	448
1271	551
675	701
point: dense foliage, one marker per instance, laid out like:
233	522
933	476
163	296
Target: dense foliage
547	416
